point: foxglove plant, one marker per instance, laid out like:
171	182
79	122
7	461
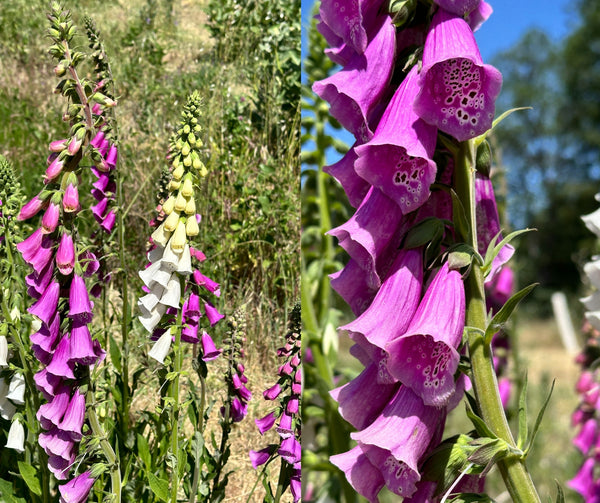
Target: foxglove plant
424	239
586	416
287	393
63	343
178	295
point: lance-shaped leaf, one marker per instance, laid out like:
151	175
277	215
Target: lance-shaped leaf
494	249
538	421
502	316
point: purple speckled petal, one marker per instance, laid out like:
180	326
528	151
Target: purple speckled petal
398	159
355	91
364	477
425	357
458	92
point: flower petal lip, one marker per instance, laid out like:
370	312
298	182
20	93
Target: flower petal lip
458	92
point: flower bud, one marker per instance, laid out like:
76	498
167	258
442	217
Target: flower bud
191	227
190	206
71	199
65	255
58	145
178	172
50	218
169	205
188	188
180	202
179	237
171	221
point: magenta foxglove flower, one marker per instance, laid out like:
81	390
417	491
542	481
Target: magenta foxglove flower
79	300
584	482
46	306
362	474
366	236
71	199
480	15
209	350
353	287
77	489
258	458
378	323
343	171
266	423
350	20
362	399
355	91
32	208
50	218
425	358
212	314
458	92
65	255
398	159
54	169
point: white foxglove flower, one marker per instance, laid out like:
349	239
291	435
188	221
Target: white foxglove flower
16	437
16	389
160	235
147	275
7	408
172	293
161	347
3	351
149	319
592	271
170	258
15	314
150	300
592	222
592	302
185	264
156	254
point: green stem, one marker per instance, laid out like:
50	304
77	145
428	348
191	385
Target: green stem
174	394
513	469
109	453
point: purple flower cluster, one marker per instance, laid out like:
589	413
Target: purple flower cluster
238	394
62	341
410	312
287	391
586	418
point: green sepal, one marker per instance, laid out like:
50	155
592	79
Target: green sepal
494	249
560	495
483	159
502	316
461	223
490	451
428	230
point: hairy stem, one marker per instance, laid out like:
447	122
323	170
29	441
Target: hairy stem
513	469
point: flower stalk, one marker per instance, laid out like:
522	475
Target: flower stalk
513	469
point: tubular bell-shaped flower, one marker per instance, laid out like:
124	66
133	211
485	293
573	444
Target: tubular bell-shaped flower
398	159
458	91
425	357
354	92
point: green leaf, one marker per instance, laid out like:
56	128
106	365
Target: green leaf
479	424
424	232
461	223
470	498
523	428
6	491
538	420
115	354
462	255
29	474
493	248
143	450
502	316
159	487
